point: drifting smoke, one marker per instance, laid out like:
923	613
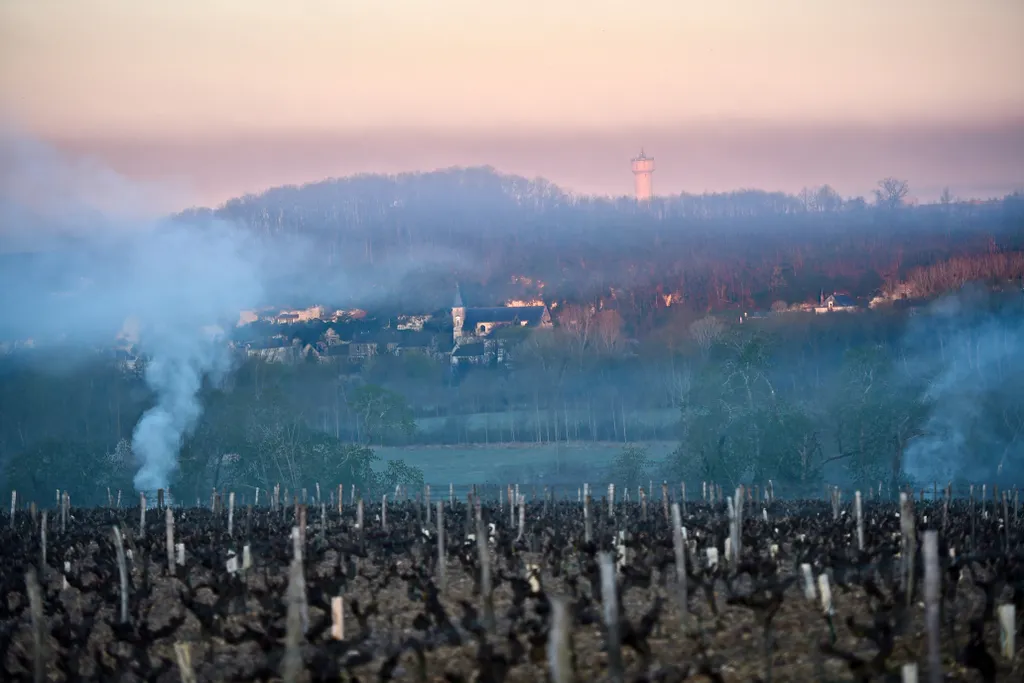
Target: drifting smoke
84	256
82	259
969	349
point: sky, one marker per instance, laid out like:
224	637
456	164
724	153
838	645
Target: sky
220	97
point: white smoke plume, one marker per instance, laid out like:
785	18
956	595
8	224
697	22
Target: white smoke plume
85	256
82	258
968	349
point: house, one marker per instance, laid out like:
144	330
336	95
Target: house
362	349
413	323
472	327
273	351
835	302
469	324
416	342
474	353
333	353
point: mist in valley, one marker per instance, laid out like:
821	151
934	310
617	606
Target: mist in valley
682	346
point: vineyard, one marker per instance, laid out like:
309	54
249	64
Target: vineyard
521	586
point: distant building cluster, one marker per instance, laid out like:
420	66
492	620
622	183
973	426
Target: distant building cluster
472	329
291	317
473	340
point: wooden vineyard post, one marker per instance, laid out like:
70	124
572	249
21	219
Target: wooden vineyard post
1007	615
680	551
909	544
522	516
169	526
183	655
486	593
1006	521
231	513
323	522
609	598
42	543
738	532
441	555
730	554
560	642
337	618
588	524
860	521
142	515
122	568
809	592
291	667
35	603
932	587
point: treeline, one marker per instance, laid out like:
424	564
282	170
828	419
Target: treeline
737	250
945	276
866	398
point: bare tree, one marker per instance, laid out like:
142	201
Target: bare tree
706	332
608	327
806	198
577	322
891	192
827	200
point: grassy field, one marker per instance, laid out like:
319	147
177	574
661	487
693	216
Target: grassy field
551	463
525	421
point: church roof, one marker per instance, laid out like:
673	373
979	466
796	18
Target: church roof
468	350
458	298
531	315
843	300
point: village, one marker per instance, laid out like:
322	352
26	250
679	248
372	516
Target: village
464	336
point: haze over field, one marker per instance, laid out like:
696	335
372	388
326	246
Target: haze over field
692	336
227	97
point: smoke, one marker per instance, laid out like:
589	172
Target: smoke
968	351
85	259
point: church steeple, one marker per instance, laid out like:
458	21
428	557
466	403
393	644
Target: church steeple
458	315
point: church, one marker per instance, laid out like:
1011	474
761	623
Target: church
472	327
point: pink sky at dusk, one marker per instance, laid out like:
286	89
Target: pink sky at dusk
222	97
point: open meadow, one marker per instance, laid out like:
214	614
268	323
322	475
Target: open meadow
559	463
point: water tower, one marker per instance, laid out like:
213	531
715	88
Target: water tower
643	169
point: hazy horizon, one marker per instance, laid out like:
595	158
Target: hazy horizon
219	98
